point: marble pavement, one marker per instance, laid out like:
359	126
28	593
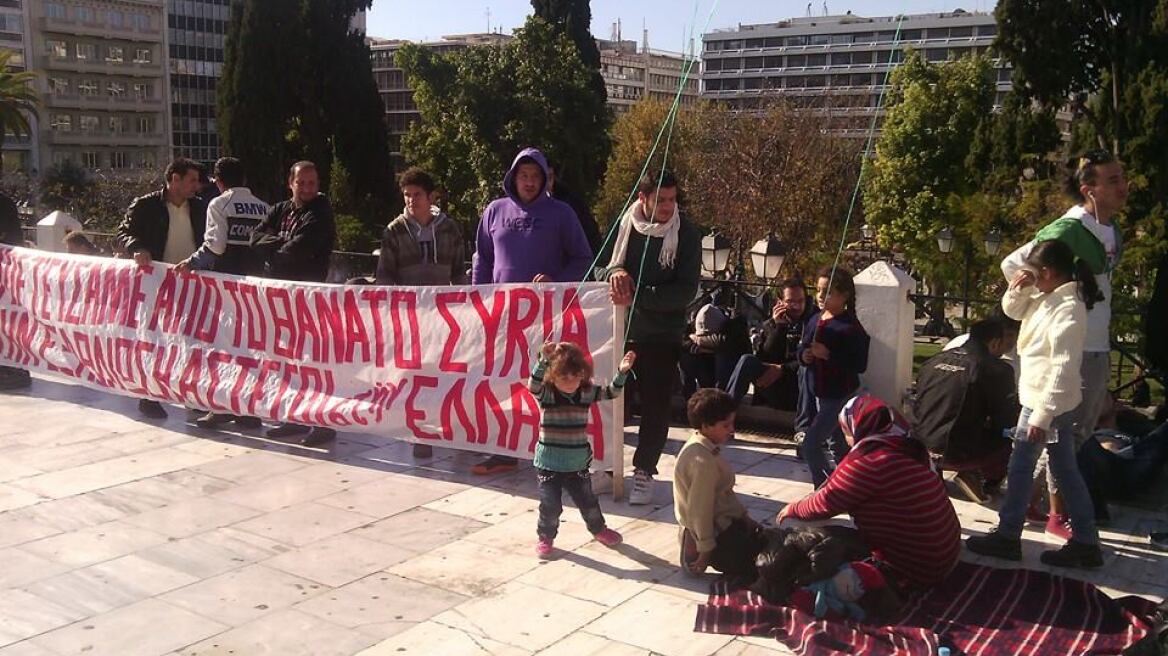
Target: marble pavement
128	538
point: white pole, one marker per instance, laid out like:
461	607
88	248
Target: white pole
616	434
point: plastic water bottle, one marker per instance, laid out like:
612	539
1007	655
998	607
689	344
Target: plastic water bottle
942	651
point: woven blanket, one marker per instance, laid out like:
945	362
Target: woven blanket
977	610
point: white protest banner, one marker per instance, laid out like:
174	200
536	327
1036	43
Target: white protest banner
446	366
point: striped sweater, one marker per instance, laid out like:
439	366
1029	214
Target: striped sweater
899	505
564	444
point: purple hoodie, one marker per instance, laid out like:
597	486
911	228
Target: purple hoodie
517	241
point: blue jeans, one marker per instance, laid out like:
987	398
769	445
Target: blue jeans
805	411
823	445
1064	469
748	370
552	485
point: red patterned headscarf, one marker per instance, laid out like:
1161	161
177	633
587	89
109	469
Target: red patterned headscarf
867	416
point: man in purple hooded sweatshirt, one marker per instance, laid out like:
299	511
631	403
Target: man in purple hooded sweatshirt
527	236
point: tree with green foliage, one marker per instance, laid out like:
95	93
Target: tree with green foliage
18	98
297	84
481	105
920	180
1107	60
575	18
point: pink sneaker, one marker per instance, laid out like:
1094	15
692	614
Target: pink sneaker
608	537
1058	526
543	548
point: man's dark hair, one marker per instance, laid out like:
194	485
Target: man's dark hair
229	171
1083	170
416	177
987	330
181	166
793	283
300	166
650	183
709	406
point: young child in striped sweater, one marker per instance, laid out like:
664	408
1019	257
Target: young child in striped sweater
562	384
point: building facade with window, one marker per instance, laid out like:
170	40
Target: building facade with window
196	34
837	64
631	74
19	152
102	82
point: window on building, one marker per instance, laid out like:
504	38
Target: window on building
61	122
119	160
841	80
713	64
142	90
119	124
773	62
61	157
86	52
89	159
735	44
87	88
987	30
115	54
59	86
864	37
817	60
88	123
936	54
773	42
961	32
145	125
816	81
83	14
55	10
116	89
797	40
841	58
796	82
143	56
841	39
755	43
861	79
863	57
142	22
56	49
114	18
714	85
753	62
146	159
11	23
911	35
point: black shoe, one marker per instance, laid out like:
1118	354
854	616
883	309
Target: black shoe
249	423
213	420
14	379
151	409
1074	554
287	430
1102	514
318	437
423	451
995	545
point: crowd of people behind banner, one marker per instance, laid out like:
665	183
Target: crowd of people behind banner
1026	389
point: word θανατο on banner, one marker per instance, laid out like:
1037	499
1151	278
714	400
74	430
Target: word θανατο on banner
441	365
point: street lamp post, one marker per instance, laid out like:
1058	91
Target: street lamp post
945	242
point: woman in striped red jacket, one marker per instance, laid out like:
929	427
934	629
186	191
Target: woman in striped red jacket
897	501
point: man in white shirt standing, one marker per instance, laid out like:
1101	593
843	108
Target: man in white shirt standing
226	248
162	226
1096	182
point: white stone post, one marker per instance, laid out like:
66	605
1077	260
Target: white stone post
51	231
884	308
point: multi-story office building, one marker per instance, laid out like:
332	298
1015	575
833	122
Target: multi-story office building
396	95
837	64
19	152
102	82
630	75
196	30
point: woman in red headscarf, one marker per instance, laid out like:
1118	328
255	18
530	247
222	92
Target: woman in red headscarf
896	499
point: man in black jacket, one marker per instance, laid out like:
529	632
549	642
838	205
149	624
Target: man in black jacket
10	233
558	190
166	225
295	242
966	398
775	371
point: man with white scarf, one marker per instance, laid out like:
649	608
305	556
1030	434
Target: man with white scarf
656	260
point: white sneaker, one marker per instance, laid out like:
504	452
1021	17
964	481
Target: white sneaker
642	492
601	482
797	438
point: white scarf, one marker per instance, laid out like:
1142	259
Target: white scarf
635	218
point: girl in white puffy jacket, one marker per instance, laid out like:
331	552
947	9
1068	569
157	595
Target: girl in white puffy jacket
1050	297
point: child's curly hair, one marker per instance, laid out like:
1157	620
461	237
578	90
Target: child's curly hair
568	360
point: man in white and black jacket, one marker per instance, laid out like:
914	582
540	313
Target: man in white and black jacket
295	242
164	226
231	218
226	248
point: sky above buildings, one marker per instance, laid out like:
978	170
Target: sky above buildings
669	21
